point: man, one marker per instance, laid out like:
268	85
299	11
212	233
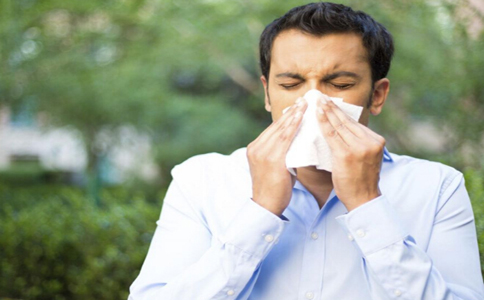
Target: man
379	226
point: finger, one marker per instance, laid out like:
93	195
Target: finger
287	118
284	129
289	114
360	131
330	134
338	125
352	125
276	124
288	129
357	128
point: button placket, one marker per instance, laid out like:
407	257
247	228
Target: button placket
313	260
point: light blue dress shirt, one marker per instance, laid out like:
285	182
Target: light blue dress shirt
416	241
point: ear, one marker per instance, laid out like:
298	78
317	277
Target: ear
379	96
267	101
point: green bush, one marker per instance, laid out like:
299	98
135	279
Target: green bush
27	173
57	244
475	187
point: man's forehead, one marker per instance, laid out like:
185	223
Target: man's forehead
297	49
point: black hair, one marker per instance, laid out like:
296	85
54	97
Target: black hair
325	18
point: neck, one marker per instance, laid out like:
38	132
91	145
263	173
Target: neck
318	182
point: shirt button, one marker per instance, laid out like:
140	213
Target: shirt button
314	236
309	295
230	292
360	233
397	293
350	237
269	238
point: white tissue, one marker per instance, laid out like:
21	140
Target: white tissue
309	148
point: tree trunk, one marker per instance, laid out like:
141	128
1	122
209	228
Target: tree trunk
92	172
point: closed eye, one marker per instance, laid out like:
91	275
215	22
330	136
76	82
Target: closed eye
289	86
342	86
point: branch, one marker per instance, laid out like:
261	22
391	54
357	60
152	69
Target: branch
243	78
235	71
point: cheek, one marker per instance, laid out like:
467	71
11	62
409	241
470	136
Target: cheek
275	116
365	114
360	97
279	101
277	110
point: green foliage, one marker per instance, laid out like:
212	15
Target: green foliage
56	244
475	187
185	72
21	173
201	125
97	66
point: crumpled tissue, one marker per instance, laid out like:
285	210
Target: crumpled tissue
309	147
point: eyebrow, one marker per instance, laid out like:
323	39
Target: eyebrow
328	77
332	76
290	75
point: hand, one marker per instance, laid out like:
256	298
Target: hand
271	181
357	155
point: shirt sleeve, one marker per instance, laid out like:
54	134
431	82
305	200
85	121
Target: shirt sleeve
185	261
397	268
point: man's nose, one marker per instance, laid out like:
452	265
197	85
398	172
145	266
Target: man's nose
315	86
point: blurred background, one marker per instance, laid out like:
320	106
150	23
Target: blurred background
100	99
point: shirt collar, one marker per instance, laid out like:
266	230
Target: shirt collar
299	186
386	155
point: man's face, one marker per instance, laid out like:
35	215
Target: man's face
335	64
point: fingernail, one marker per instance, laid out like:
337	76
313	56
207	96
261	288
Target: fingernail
322	100
300	103
298	115
320	111
299	100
